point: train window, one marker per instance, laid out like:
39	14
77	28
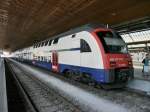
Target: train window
56	41
46	42
73	35
35	45
84	46
42	58
45	59
50	42
112	42
38	44
48	58
42	44
38	58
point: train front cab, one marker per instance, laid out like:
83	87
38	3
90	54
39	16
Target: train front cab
118	67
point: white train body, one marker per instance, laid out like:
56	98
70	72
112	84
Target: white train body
79	51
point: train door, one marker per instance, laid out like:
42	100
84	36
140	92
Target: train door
55	65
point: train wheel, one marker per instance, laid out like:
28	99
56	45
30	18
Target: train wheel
87	79
67	74
98	86
77	77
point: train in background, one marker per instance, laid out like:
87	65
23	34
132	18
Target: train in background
89	52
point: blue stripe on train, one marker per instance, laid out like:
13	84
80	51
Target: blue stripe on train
97	74
100	75
43	64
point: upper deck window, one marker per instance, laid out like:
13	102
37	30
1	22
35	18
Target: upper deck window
46	42
42	44
50	42
39	44
55	41
36	45
33	45
112	42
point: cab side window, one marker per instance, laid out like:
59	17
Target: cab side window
84	46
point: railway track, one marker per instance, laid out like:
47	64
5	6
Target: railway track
133	101
18	98
43	98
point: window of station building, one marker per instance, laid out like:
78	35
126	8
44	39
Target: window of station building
84	46
55	41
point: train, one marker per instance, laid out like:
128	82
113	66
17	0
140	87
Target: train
90	52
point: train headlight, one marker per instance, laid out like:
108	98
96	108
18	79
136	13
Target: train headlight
112	63
130	62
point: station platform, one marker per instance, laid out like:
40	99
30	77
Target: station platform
140	83
140	86
3	94
139	74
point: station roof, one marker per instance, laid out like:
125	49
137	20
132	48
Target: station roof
23	22
137	41
140	37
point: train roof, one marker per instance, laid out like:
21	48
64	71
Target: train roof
86	27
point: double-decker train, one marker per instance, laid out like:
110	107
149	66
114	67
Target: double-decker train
89	52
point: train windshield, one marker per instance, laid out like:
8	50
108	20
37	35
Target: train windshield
112	42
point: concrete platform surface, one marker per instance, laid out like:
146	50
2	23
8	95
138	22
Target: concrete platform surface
3	96
138	74
140	85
